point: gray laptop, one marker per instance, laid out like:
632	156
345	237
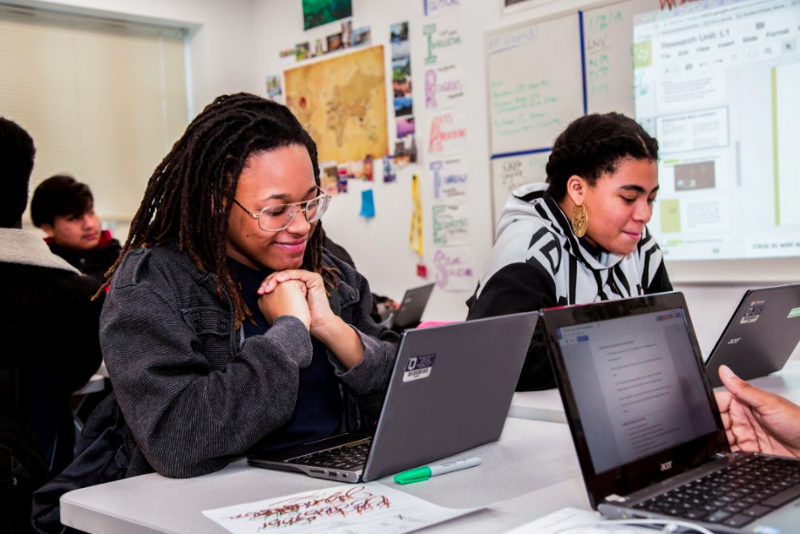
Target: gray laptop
761	336
409	314
450	391
646	426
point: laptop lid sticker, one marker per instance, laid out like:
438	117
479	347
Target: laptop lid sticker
419	367
752	313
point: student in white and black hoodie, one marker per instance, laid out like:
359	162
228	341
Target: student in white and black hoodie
581	236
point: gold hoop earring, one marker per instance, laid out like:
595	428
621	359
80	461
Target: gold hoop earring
580	220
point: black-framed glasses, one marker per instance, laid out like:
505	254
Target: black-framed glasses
279	216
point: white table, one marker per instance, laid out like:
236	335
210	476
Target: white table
547	406
785	383
538	405
530	472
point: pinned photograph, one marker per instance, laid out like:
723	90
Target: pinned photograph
303	51
401	86
330	177
320	47
405	126
345	172
274	91
347	34
368	168
334	42
362	36
319	12
357	167
402	154
401	70
389	170
342	184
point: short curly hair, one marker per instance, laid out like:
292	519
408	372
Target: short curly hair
594	145
17	154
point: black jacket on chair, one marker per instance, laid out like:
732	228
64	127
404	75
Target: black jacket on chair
49	333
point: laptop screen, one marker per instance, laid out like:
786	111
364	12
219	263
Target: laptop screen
637	385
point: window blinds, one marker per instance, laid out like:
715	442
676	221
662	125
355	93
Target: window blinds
103	100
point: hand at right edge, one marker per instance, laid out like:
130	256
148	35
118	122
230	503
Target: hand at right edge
288	298
756	420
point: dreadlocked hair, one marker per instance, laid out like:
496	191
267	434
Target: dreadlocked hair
594	145
200	175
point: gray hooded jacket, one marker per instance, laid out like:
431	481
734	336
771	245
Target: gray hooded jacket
537	262
196	394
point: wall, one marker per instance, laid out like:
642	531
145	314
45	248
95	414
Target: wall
380	246
235	43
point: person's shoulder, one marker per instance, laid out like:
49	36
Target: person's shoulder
349	282
524	234
345	272
56	289
107	248
145	264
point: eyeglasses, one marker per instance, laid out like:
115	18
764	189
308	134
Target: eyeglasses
280	216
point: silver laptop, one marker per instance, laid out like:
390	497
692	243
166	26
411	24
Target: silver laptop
761	336
450	391
646	426
409	314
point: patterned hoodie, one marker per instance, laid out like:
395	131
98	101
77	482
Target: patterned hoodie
538	262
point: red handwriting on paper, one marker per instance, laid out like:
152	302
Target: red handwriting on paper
311	507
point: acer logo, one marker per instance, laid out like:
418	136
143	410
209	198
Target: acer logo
666	466
734	341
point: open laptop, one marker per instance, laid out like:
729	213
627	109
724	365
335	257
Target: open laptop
450	391
647	428
761	336
412	306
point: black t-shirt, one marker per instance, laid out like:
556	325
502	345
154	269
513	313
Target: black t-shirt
318	412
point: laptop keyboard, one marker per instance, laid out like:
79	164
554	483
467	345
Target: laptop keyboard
733	496
344	457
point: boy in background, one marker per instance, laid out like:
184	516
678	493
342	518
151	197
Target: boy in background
64	208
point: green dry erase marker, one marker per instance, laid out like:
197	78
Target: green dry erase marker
424	473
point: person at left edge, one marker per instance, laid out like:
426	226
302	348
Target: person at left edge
48	321
64	208
206	368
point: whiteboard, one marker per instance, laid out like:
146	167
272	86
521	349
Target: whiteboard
608	56
512	172
532	98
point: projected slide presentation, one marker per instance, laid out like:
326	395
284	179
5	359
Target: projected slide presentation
718	84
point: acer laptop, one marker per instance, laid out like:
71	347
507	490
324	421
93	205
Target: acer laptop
409	314
761	336
647	428
450	391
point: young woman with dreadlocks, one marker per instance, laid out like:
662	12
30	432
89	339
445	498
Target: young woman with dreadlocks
581	236
227	328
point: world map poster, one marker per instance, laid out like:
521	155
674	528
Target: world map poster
342	103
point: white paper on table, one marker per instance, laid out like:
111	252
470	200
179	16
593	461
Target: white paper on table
570	521
349	509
